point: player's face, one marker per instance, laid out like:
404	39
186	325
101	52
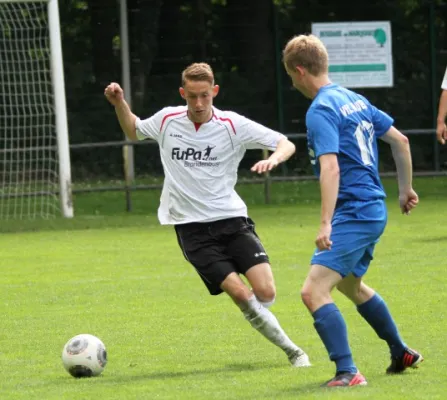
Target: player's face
199	98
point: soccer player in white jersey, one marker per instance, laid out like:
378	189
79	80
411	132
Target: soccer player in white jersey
441	129
200	149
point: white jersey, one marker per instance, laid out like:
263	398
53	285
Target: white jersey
200	166
444	81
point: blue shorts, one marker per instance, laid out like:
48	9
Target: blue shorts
356	228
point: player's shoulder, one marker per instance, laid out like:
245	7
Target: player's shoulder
228	118
334	99
172	111
322	105
167	113
221	114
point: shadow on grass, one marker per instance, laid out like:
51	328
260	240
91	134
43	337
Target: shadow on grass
374	381
230	368
167	375
432	239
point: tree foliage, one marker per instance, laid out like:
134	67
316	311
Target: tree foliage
242	40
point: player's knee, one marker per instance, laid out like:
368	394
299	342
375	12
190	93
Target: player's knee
314	295
266	294
307	296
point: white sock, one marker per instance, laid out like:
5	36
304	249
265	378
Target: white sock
267	304
266	323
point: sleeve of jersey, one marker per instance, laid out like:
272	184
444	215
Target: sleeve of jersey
322	124
149	128
382	122
444	81
257	136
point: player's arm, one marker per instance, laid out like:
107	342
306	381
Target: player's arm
323	127
284	150
441	129
329	185
127	120
400	148
257	136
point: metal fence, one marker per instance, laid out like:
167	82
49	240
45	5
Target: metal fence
253	82
245	53
282	175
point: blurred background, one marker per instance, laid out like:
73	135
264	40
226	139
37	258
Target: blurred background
242	40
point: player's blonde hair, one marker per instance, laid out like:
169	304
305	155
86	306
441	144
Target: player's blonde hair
198	72
306	51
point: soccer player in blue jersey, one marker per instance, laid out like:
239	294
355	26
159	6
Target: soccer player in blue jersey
343	128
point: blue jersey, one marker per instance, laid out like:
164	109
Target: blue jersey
343	122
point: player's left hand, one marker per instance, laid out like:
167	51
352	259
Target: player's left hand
264	166
408	201
441	132
323	240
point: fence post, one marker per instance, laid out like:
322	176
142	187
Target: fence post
278	76
434	84
128	151
279	101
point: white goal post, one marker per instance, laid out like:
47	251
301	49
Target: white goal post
35	174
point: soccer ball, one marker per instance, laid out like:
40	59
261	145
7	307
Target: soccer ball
84	356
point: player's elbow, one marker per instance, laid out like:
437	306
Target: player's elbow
401	143
287	146
404	140
131	134
291	147
330	169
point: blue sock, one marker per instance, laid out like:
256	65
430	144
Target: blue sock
376	313
331	327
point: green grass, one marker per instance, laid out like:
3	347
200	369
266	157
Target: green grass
122	277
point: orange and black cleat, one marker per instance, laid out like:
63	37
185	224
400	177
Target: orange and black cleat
409	359
346	379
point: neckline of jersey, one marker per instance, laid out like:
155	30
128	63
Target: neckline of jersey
327	86
197	125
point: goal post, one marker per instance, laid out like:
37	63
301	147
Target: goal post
35	173
57	73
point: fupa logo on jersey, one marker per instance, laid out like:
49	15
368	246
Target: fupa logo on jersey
192	154
195	158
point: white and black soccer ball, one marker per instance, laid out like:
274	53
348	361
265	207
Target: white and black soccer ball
84	356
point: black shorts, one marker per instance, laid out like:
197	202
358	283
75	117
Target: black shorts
218	248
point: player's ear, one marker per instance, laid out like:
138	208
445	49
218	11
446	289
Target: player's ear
300	70
215	90
182	92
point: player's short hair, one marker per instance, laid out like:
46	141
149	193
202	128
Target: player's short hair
306	51
198	72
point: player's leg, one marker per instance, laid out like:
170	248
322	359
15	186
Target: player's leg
349	239
256	311
262	283
251	259
375	311
330	324
205	251
246	249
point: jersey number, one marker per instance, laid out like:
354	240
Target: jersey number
365	137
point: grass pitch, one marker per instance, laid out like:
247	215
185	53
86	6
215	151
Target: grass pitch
123	278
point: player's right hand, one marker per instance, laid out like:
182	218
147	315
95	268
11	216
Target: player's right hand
323	240
408	201
114	94
441	132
